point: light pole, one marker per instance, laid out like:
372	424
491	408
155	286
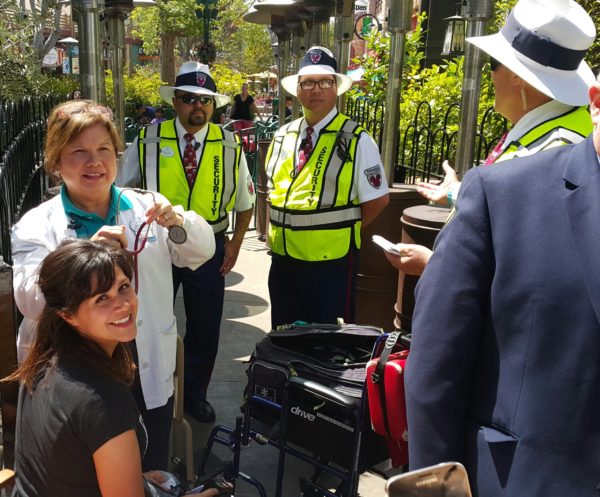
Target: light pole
91	74
344	10
398	25
476	13
208	12
115	14
275	12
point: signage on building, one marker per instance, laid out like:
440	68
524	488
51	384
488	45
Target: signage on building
51	58
360	6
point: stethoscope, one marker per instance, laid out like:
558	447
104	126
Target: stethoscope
177	234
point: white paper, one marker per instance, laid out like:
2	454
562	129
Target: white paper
388	246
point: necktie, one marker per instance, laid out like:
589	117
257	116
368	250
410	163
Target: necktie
189	159
496	152
305	149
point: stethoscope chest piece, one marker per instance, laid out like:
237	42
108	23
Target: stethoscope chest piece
177	234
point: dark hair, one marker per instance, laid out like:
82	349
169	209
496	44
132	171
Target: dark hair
160	109
76	271
139	104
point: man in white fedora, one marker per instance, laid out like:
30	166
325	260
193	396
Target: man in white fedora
326	181
541	82
503	373
197	164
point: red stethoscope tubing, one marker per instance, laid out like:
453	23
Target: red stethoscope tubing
136	250
137	247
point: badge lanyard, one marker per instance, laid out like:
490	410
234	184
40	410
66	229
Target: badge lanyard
177	234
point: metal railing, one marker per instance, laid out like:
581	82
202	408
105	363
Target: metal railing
428	140
250	139
369	114
22	179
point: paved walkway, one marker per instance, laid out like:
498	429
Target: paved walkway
246	319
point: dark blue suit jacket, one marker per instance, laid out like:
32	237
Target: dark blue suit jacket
504	370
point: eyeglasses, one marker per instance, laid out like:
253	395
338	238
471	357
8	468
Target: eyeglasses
309	84
192	99
494	64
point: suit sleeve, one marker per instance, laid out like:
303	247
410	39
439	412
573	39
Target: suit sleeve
450	314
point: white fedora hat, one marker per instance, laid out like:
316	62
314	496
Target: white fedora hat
317	61
194	77
544	42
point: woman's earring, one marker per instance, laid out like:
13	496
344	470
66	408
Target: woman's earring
524	99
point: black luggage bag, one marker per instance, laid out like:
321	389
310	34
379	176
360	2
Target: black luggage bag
324	406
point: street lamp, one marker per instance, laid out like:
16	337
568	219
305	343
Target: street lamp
454	39
208	12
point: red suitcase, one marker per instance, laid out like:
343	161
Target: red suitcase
385	391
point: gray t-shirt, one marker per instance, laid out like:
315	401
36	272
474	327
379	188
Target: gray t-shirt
62	422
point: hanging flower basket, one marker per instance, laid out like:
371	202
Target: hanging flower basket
207	52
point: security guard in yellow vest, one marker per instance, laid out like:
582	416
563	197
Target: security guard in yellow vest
542	91
197	164
326	181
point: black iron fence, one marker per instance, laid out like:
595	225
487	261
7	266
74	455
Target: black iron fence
22	179
429	139
369	114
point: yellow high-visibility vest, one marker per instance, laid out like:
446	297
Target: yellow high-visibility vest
312	217
568	128
213	193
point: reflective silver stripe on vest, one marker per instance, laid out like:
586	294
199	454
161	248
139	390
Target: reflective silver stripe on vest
277	146
230	148
314	219
230	160
563	134
335	165
151	142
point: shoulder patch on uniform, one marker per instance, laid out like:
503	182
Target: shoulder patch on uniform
250	185
374	176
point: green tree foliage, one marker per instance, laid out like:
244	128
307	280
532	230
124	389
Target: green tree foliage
168	17
228	81
248	49
592	7
18	64
142	86
239	44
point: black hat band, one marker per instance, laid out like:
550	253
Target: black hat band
314	57
540	48
199	79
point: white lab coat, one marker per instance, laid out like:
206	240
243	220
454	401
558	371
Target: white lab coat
42	229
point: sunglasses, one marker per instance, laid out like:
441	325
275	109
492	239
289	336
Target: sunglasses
192	99
310	84
494	63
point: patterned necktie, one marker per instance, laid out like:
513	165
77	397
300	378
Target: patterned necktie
496	152
305	150
189	159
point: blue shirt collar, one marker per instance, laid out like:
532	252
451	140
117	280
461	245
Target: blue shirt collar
87	223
